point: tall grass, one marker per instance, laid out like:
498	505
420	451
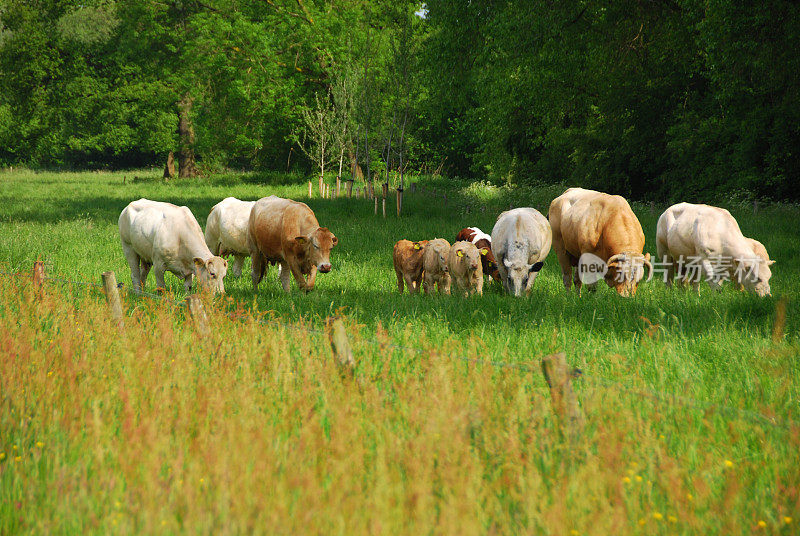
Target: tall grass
153	429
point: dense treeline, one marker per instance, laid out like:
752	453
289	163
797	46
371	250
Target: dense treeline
656	99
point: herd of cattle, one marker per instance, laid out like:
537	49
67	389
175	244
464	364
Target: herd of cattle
272	230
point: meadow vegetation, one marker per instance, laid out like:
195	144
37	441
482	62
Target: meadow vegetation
153	429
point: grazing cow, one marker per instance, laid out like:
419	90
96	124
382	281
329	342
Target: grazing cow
585	221
165	237
521	240
710	235
287	232
434	264
226	230
408	264
466	271
484	243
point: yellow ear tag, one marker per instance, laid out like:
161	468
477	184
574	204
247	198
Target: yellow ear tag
484	252
460	253
416	246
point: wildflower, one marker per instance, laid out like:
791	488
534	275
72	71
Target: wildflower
728	463
631	472
117	504
690	496
762	523
49	372
574	532
661	436
163	522
787	520
202	480
657	516
39	444
2	456
14	447
18	458
672	519
626	480
642	521
638	478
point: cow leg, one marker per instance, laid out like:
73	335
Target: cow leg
400	277
133	262
258	268
565	261
479	286
158	270
238	263
409	283
311	279
286	276
445	282
144	270
298	275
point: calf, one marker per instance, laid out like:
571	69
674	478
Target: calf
708	233
585	221
434	264
286	232
484	244
521	240
408	264
466	271
226	230
164	237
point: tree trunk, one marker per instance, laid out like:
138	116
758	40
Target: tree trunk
169	169
186	164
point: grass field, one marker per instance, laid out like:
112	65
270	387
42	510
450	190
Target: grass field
251	430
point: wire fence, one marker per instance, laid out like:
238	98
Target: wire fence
657	397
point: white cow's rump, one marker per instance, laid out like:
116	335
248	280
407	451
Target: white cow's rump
226	230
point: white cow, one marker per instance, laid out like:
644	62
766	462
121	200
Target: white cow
167	237
226	230
710	235
521	239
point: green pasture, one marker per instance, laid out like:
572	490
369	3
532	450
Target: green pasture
716	348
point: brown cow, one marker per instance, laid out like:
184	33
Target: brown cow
465	268
483	242
408	264
287	232
585	221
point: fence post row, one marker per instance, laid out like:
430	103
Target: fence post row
112	296
565	403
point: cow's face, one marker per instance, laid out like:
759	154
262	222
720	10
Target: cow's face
755	275
625	271
441	259
210	273
316	248
521	276
468	257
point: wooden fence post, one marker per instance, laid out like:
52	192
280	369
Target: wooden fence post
309	189
112	296
384	206
38	277
376	206
340	345
413	187
399	201
349	188
565	403
385	189
338	186
198	313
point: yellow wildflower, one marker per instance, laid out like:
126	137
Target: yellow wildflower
39	444
2	455
18	458
672	519
657	516
787	520
690	496
574	532
728	463
626	480
762	523
642	521
638	478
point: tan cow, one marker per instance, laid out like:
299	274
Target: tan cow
408	264
585	221
434	263
287	232
466	271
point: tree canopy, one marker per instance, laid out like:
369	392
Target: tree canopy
667	99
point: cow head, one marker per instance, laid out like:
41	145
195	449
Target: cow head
626	270
520	276
315	248
469	256
754	274
210	273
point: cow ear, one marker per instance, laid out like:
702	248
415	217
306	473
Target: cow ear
417	246
460	253
199	263
770	263
507	263
537	266
335	240
484	251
